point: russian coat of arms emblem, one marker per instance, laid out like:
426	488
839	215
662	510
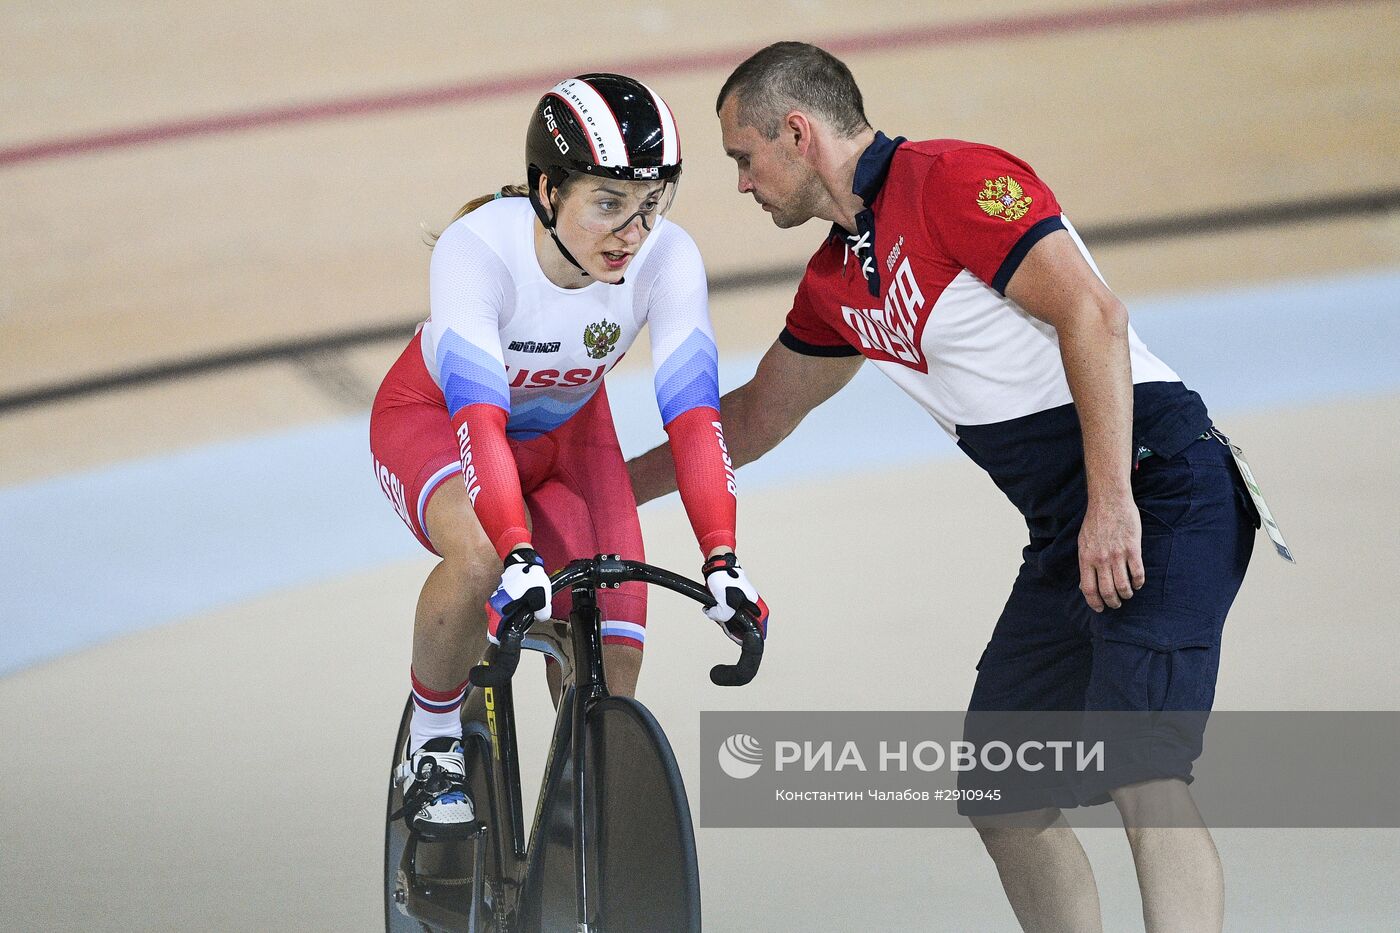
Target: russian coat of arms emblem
1003	197
601	339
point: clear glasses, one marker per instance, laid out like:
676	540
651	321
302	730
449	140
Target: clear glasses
604	205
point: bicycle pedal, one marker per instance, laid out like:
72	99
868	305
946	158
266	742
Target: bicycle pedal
462	833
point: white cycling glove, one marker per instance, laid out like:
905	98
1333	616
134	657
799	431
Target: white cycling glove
730	587
522	579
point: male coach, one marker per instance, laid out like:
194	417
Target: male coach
950	265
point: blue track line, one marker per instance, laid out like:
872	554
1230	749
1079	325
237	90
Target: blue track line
173	536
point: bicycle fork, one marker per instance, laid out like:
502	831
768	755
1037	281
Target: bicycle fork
592	686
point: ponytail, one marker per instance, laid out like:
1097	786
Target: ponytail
507	191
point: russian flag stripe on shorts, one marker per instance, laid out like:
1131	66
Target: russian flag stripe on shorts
433	482
628	630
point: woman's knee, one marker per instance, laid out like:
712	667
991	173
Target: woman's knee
470	580
468	559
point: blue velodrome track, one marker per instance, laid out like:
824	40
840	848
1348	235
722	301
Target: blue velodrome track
172	536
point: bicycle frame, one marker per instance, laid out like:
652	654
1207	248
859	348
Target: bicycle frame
534	879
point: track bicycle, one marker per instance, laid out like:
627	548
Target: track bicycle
611	847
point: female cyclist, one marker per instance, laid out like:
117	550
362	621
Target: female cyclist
492	435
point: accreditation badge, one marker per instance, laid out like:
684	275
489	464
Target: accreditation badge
1252	485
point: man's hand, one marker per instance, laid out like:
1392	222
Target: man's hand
1110	552
732	590
523	579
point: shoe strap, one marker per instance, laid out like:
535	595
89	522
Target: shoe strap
452	764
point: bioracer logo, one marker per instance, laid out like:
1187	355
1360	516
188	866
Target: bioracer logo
535	346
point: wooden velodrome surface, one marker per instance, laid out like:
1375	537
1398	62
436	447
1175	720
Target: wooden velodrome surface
219	774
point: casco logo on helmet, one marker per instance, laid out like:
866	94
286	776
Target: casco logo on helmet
553	126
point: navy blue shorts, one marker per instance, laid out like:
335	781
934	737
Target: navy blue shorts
1159	652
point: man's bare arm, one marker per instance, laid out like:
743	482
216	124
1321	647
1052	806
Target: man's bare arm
1055	284
758	414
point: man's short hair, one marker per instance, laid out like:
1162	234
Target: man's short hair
788	76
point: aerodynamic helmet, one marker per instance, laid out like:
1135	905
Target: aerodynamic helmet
605	125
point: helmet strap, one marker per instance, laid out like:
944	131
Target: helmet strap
547	217
565	251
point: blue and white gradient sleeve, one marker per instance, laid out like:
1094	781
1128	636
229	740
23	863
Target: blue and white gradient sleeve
684	359
687	387
470	296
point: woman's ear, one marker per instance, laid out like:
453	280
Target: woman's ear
543	192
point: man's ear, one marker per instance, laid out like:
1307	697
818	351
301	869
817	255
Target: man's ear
798	128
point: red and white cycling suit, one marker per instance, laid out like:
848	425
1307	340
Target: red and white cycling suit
506	376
